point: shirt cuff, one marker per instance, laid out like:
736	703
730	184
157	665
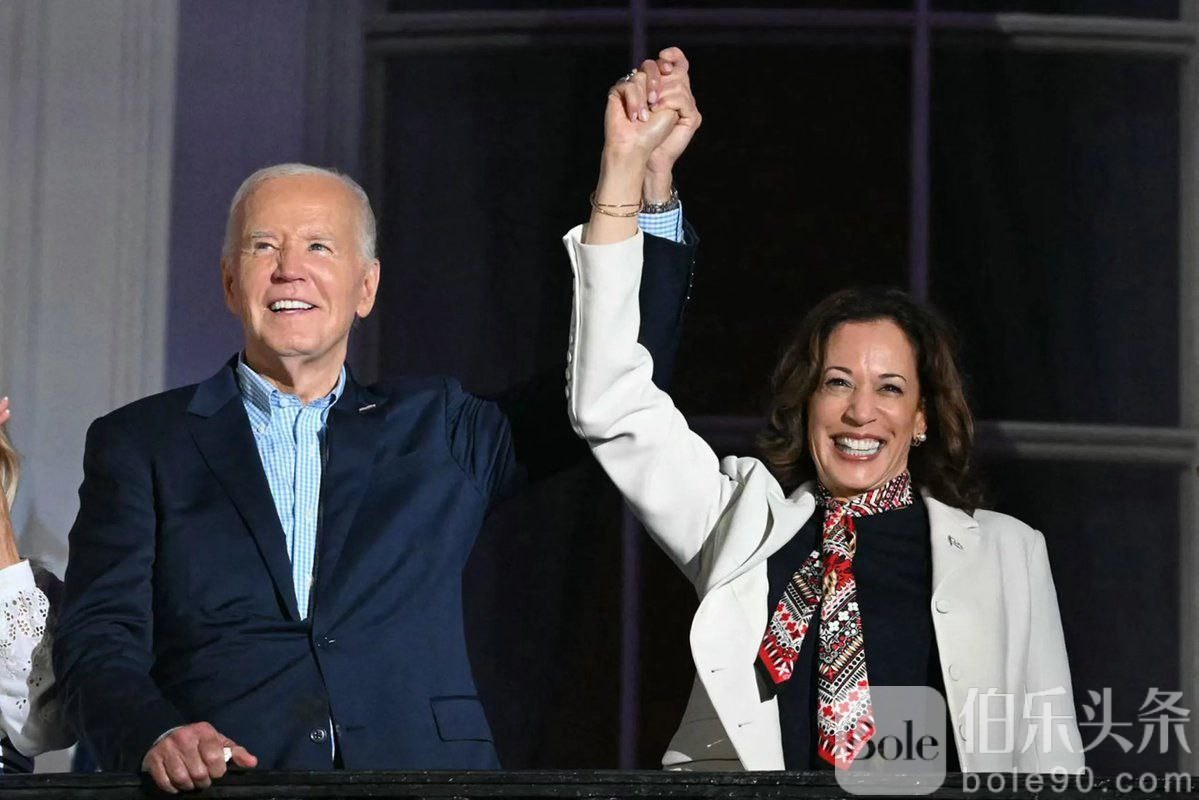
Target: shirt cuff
666	225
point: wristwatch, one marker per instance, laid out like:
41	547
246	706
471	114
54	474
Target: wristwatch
658	208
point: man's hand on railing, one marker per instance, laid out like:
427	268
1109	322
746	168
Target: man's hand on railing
192	756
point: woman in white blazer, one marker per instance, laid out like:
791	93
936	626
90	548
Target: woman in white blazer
31	719
929	589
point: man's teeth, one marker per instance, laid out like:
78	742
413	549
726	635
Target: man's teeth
858	447
290	305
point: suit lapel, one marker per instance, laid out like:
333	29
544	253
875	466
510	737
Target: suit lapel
352	440
783	516
221	430
954	538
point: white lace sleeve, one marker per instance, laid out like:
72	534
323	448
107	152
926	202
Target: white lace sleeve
29	710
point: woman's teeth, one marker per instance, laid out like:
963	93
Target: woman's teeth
857	447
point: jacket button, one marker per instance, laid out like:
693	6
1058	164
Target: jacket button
318	735
941	606
955	672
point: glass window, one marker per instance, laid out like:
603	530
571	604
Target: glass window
490	157
1055	232
1112	535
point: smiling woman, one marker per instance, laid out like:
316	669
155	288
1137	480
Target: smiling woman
859	560
906	354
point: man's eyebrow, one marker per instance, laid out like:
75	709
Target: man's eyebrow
316	233
260	234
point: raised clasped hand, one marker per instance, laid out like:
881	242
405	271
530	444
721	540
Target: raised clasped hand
630	127
653	114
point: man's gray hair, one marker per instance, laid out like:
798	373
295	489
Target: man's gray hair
366	217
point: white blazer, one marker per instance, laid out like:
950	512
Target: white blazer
993	604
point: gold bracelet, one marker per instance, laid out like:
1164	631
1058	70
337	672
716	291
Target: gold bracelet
602	208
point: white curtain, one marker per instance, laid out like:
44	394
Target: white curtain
86	126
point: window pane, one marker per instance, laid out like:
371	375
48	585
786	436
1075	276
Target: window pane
1112	535
798	185
489	159
1055	208
1155	9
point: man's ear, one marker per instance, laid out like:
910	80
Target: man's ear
370	289
227	278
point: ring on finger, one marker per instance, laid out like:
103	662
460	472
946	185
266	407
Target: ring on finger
626	78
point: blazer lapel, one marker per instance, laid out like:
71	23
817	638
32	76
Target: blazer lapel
352	439
782	516
955	540
221	430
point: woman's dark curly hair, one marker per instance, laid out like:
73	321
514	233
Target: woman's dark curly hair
942	465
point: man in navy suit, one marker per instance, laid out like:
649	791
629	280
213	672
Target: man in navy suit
271	560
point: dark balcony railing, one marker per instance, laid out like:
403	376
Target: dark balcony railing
584	784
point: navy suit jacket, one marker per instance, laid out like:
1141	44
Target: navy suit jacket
179	605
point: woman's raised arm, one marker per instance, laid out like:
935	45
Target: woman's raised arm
670	477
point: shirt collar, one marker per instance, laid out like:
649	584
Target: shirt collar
264	395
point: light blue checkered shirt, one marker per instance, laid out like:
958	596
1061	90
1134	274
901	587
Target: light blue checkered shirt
288	434
668	224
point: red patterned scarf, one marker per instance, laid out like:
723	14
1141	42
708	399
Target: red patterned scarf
845	715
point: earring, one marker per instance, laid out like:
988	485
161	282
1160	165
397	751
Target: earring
919	439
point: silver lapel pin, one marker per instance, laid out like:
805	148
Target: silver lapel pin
956	543
367	408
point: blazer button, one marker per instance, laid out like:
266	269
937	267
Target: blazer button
955	672
318	735
941	606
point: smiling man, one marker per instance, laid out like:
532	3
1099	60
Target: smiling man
298	267
267	566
